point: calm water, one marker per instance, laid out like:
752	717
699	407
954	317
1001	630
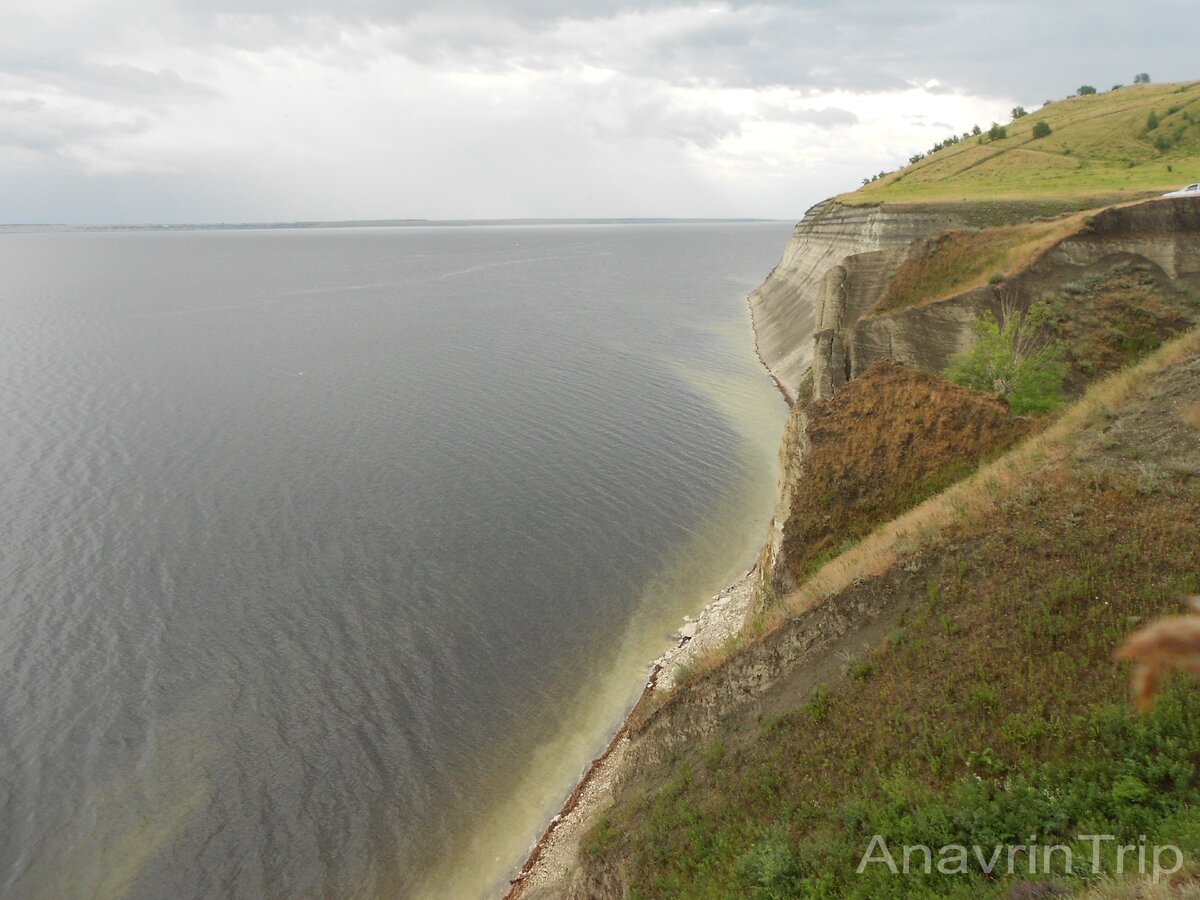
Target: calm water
328	558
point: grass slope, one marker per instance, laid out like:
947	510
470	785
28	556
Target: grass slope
1100	148
958	260
886	441
995	712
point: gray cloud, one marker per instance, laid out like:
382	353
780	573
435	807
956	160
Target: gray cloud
1013	47
601	96
825	117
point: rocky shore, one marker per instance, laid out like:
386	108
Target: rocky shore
548	866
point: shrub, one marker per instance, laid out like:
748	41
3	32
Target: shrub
1141	78
770	866
975	129
1041	129
1152	121
1085	89
997	132
1013	359
1018	112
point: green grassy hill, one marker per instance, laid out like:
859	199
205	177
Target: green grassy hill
1099	146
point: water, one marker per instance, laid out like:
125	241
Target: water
329	557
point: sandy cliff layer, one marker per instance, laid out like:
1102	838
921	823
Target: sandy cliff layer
1161	235
785	306
815	308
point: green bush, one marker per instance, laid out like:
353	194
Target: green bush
1152	121
1085	89
1011	358
997	132
1141	78
1041	129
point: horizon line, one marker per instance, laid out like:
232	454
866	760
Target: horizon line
378	223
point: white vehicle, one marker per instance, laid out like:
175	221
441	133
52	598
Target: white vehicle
1192	190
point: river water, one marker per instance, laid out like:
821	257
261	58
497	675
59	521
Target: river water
329	557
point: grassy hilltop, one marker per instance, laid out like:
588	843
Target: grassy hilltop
986	707
1100	147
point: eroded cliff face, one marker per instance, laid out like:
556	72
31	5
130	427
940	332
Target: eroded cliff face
789	307
817	326
814	311
1162	236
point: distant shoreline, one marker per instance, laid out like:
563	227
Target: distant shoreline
367	223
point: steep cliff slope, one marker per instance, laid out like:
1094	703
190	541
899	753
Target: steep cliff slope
952	653
784	306
819	308
947	681
1120	281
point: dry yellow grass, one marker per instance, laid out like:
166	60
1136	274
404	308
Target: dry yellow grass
1180	887
958	261
981	493
922	528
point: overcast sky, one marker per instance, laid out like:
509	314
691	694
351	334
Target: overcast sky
214	110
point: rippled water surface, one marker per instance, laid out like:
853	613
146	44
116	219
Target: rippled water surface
328	557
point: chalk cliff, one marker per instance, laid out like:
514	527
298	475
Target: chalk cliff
816	321
825	252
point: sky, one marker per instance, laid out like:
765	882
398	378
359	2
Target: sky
134	111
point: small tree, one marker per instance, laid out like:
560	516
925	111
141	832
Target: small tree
997	132
1012	357
975	129
1141	78
1086	89
1152	121
1041	128
1018	111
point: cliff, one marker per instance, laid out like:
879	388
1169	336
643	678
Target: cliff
829	308
816	309
931	620
854	550
785	307
947	680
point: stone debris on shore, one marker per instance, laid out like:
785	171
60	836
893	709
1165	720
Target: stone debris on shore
554	854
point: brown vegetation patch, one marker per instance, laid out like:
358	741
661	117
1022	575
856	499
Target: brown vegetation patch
882	444
1111	319
951	262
